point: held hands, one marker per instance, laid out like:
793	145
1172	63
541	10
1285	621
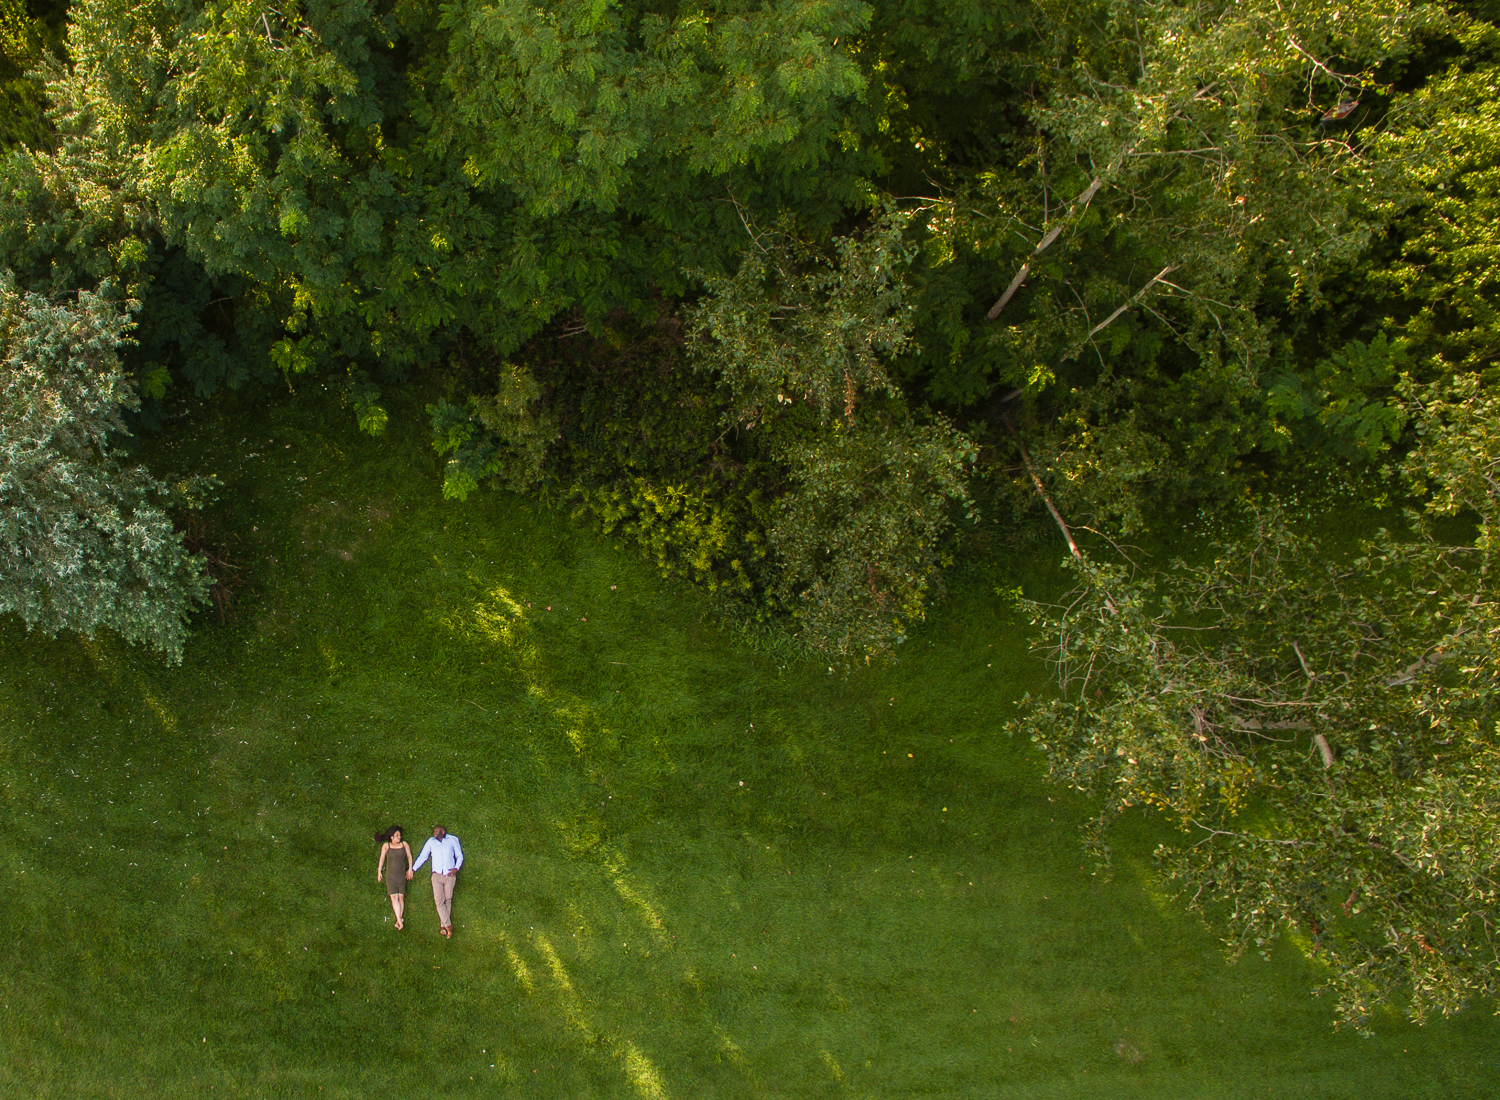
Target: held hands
408	876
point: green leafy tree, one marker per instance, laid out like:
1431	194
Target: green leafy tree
503	435
859	537
799	340
582	104
1124	201
1173	192
86	538
385	184
644	452
1322	730
795	329
25	40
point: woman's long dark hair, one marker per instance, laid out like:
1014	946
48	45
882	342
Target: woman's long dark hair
385	837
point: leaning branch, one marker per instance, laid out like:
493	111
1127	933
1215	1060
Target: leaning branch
1212	832
1041	490
1324	750
1075	208
1410	672
1062	524
1255	725
1115	316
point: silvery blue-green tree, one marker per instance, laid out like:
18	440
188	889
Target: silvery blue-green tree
85	538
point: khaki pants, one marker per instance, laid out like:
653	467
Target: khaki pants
442	897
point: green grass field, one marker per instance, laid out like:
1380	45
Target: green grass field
694	870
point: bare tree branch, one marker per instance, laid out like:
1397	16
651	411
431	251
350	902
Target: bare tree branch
1324	749
1076	207
1041	489
1160	275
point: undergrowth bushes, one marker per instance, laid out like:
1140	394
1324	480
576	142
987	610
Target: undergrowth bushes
618	428
686	530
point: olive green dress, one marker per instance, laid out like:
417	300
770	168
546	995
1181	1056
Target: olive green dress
395	870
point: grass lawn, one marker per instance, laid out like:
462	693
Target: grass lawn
694	870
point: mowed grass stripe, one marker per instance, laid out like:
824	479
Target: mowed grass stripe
694	869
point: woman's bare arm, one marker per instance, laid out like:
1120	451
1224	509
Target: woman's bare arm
380	867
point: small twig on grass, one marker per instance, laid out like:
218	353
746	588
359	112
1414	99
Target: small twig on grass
474	704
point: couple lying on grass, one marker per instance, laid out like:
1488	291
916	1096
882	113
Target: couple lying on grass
397	869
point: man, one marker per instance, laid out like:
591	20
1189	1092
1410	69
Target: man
447	857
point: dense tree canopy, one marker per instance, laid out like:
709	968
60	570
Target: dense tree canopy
1129	211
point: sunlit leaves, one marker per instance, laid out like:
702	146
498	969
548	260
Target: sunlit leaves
1177	196
558	103
1322	729
794	326
858	540
502	435
1443	284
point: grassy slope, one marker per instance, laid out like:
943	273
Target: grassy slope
691	873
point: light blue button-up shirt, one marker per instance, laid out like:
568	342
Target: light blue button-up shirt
447	854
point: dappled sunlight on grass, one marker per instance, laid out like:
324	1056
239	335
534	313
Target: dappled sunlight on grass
1299	939
517	964
644	1077
332	663
167	719
116	671
727	1045
695	871
572	1009
502	622
1150	884
632	895
832	1064
496	617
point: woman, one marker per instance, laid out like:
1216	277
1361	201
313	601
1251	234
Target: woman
395	868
